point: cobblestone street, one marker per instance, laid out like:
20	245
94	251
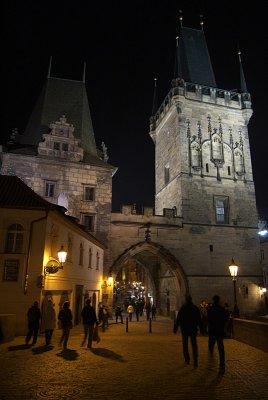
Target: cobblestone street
137	364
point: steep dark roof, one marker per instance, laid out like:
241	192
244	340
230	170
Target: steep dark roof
62	97
15	193
194	63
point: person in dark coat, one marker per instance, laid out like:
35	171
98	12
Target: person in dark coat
189	319
65	317
217	319
118	314
33	316
89	318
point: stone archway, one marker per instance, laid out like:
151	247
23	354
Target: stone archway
164	274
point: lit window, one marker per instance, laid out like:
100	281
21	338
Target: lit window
89	193
50	189
14	240
11	270
221	209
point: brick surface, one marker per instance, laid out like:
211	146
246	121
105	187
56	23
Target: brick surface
130	365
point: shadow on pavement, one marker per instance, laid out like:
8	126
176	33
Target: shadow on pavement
19	347
107	354
70	355
41	349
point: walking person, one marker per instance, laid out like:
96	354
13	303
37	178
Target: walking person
189	319
153	312
65	317
89	318
118	314
49	321
33	316
217	318
130	311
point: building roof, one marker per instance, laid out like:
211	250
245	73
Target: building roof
61	97
193	60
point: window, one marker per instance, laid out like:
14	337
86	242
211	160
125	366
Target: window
207	168
14	240
50	189
221	209
97	261
89	258
81	254
229	170
89	222
166	174
89	193
65	147
11	270
56	146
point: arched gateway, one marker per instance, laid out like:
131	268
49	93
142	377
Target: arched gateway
147	270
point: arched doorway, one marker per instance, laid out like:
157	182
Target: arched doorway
150	272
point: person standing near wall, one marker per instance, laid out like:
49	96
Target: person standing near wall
49	321
33	316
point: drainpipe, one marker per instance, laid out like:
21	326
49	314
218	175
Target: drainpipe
29	249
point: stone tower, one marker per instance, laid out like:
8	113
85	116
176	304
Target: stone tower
202	155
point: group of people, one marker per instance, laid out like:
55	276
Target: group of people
65	318
189	320
150	310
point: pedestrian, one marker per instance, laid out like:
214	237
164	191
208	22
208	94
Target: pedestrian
49	321
189	319
33	316
153	311
204	316
137	311
118	314
130	311
89	318
217	318
148	310
65	317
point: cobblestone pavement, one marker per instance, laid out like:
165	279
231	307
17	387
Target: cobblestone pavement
137	364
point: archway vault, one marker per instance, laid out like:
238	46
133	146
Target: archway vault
163	254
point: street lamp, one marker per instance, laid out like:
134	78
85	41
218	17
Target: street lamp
54	264
233	268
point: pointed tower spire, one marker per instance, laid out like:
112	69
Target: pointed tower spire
84	72
154	107
49	67
243	85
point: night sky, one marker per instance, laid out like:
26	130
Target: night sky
124	43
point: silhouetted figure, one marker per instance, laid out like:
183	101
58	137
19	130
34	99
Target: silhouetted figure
217	318
33	316
189	319
118	314
148	310
89	318
49	321
65	317
153	311
137	311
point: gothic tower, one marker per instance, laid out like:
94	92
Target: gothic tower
202	155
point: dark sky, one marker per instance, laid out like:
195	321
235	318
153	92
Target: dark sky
123	44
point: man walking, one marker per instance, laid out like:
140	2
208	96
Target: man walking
33	316
188	319
89	318
217	318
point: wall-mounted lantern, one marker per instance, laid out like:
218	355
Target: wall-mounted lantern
54	264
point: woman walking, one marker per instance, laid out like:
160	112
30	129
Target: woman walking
65	317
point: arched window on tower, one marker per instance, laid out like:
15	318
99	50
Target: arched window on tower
166	175
14	239
81	254
217	151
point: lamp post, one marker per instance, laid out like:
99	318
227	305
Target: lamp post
233	268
